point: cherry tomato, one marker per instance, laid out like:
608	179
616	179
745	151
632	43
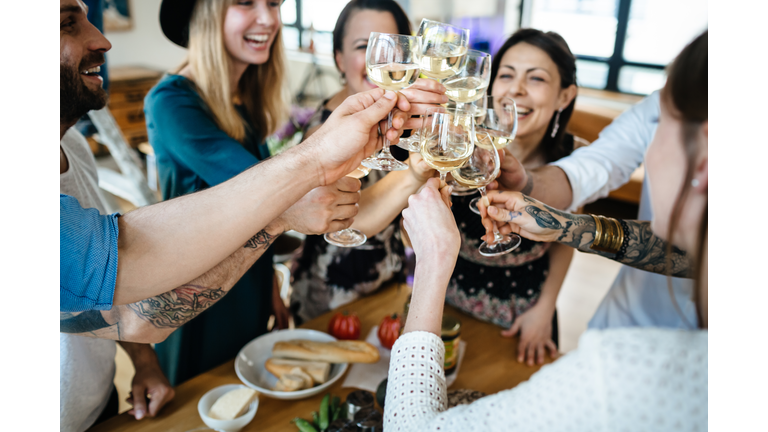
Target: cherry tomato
344	326
389	330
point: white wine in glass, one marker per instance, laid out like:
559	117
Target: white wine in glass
392	61
446	140
349	237
393	76
443	55
443	61
465	89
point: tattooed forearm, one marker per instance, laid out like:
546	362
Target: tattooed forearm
175	308
261	239
543	218
648	252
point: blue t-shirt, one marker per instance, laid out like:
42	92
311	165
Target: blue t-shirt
88	257
193	153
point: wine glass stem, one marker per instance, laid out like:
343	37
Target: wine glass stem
385	153
442	178
497	237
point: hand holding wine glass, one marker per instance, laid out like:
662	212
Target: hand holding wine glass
479	170
446	140
350	237
393	64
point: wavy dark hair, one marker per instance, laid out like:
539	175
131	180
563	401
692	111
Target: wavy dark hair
557	49
401	19
685	95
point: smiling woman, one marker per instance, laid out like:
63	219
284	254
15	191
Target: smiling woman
206	123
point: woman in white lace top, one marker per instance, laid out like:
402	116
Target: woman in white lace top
619	379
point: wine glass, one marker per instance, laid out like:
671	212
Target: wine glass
393	64
478	109
500	124
446	139
443	55
471	82
349	237
480	169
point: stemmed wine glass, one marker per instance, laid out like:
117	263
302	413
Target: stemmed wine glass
470	83
500	125
446	139
393	64
349	237
443	55
480	169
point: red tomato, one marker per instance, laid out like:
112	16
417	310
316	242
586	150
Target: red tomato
344	326
389	330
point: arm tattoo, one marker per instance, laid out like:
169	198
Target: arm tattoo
262	238
648	252
543	218
91	322
174	308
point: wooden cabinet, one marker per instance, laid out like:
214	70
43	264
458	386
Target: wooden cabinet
127	87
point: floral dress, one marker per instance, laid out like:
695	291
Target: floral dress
327	276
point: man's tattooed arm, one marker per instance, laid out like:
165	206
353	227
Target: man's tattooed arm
153	319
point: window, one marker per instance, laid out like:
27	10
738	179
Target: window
299	15
621	45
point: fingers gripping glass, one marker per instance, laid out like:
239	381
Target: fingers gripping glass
443	54
393	64
349	237
446	140
477	108
500	124
480	169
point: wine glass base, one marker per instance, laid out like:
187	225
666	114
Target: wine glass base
349	237
473	205
384	164
410	144
506	245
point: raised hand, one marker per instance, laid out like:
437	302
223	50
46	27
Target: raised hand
430	224
534	220
418	168
423	94
324	209
512	176
351	133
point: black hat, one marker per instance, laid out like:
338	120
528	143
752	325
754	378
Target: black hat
174	20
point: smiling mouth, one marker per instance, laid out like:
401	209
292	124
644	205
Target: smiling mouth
523	112
257	40
92	72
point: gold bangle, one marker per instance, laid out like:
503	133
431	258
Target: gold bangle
609	235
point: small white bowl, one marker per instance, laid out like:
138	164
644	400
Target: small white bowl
249	364
207	401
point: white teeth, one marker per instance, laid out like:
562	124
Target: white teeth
258	38
93	70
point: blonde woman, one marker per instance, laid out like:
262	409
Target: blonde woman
207	122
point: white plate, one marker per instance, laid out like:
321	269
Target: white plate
249	364
207	401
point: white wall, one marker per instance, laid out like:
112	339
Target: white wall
144	44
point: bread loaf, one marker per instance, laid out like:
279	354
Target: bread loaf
344	351
290	382
308	383
232	404
319	371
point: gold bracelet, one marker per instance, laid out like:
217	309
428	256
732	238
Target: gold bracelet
609	235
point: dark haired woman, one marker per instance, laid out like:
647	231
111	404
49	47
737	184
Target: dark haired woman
327	276
517	291
634	379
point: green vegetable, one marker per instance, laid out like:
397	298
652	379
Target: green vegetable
324	412
335	403
316	418
336	413
303	425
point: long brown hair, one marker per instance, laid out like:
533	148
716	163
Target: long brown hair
261	88
557	49
685	94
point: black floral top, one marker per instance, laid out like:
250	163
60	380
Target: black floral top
327	276
494	289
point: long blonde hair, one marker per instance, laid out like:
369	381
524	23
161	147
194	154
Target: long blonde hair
261	88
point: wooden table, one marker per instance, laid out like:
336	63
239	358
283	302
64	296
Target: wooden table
489	365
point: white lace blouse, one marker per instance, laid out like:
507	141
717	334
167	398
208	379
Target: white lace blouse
628	379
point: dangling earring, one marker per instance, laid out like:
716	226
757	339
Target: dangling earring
557	123
695	183
343	79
